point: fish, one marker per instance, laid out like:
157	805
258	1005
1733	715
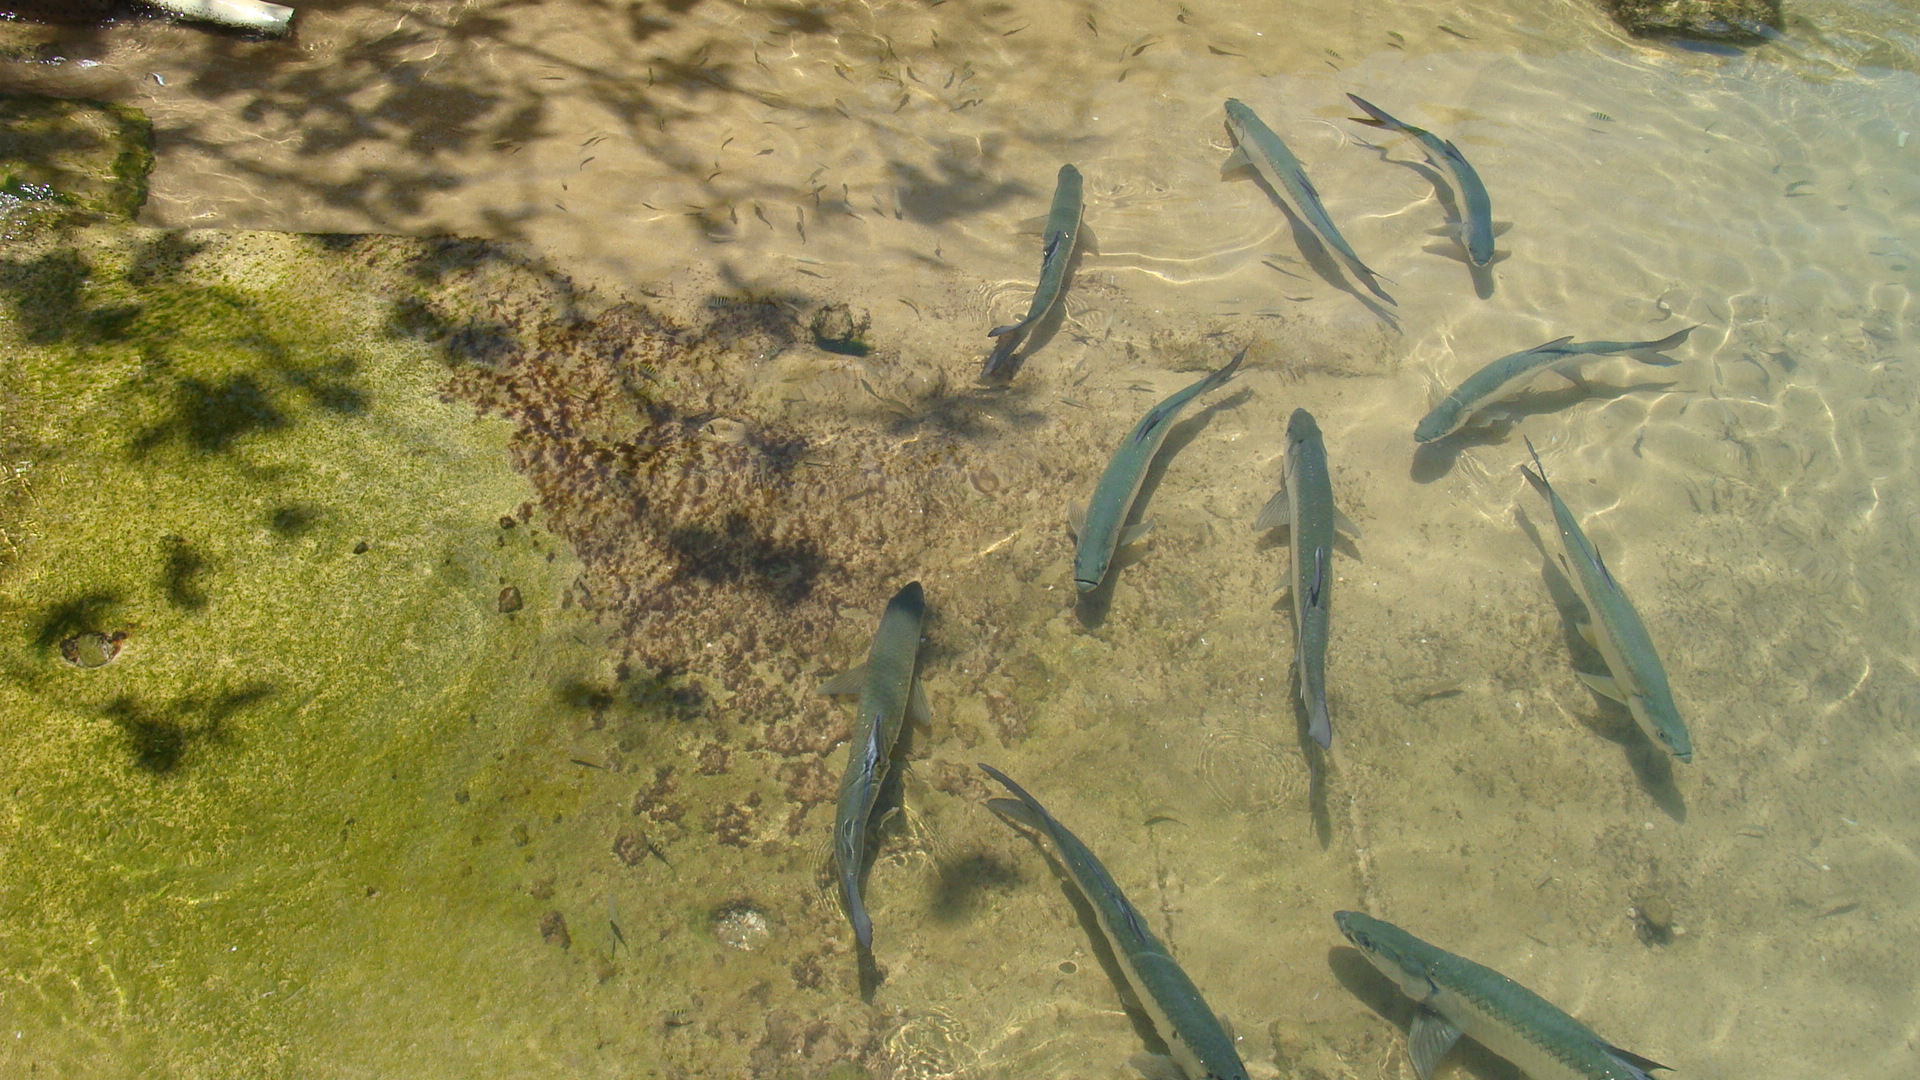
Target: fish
1636	677
1198	1041
1504	377
1056	248
1304	503
890	694
1459	997
1477	229
1099	529
1258	148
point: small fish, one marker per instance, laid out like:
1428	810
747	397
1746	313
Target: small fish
1305	504
1638	680
1477	230
1199	1043
1099	529
890	693
1056	248
1504	377
1459	997
1258	148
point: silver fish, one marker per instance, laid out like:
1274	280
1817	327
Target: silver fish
890	693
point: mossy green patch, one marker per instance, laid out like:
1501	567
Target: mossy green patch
263	713
63	160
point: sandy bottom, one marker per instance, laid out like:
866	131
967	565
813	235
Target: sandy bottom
1751	499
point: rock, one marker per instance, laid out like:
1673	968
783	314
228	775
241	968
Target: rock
1711	20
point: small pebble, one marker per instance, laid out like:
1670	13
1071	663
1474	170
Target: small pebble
553	930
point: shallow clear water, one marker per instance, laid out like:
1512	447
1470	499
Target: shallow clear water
1752	500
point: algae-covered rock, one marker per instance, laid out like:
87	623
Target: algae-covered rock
63	160
1714	20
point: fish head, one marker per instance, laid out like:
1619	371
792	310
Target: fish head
1237	115
1386	947
1301	426
1663	720
1089	566
1433	426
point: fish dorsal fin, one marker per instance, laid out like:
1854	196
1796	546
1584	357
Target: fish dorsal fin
1317	588
1277	512
1606	575
1551	345
1077	519
1432	1036
850	681
1634	1063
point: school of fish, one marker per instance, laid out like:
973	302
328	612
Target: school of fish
1452	996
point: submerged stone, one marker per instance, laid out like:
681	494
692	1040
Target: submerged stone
1739	21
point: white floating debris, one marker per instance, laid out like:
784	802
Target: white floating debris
245	14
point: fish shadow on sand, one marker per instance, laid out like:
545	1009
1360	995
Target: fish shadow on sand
1316	757
1001	366
1091	607
1456	223
1610	720
1434	460
1324	262
1102	949
1361	979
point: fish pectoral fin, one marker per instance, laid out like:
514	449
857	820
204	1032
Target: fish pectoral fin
1345	524
1638	1066
1077	520
1236	160
1604	685
1086	242
1037	225
1018	813
1588	633
1432	1036
1277	512
1133	533
1451	250
1155	1067
850	681
918	711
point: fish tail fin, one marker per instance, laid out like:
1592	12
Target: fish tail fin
856	908
1636	1066
1320	725
1672	339
1537	479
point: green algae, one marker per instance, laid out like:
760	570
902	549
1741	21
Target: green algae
64	160
217	455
